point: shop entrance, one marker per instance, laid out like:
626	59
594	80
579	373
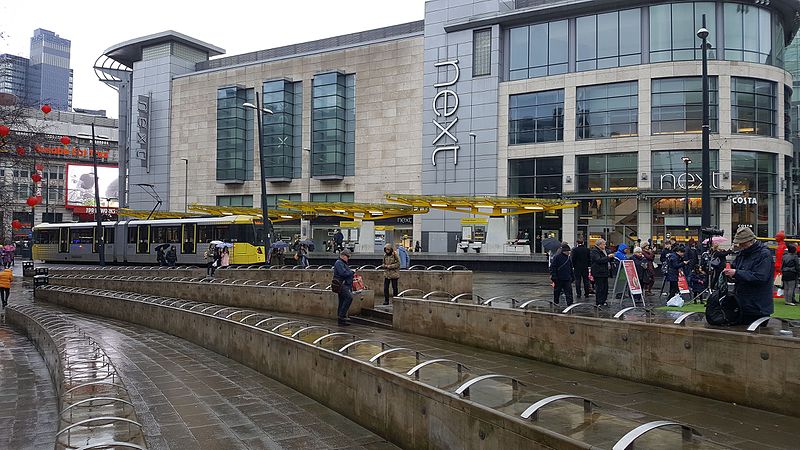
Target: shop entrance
538	226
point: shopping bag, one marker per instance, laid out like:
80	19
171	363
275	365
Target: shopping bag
778	280
358	283
676	301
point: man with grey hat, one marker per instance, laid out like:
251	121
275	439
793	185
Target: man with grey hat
752	273
343	272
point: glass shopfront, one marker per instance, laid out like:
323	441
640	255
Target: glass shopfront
754	178
541	178
608	205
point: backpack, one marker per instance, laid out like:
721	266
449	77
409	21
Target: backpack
722	308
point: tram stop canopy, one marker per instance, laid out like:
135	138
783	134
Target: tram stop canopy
483	205
357	211
145	214
275	214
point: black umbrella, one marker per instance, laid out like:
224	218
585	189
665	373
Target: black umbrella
162	247
551	244
308	243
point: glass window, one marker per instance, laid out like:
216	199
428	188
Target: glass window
536	117
482	52
538	50
235	200
332	124
673	29
754	177
669	170
607	173
677	105
273	200
749	35
234	135
281	141
607	110
753	106
333	197
535	177
609	40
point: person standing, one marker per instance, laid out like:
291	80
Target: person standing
675	264
343	273
405	258
391	272
6	276
224	258
160	257
561	275
599	265
692	256
650	257
172	256
641	266
303	252
417	247
338	239
789	269
752	272
580	266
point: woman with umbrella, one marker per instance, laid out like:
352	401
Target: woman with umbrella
276	254
212	254
160	254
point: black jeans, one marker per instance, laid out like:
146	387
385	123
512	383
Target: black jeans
582	275
564	286
386	282
345	299
4	294
601	290
673	289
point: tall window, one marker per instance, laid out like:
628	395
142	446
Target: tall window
538	50
753	108
536	117
234	135
607	110
535	177
755	175
333	125
333	197
748	34
673	29
482	52
614	172
677	105
235	200
282	139
609	40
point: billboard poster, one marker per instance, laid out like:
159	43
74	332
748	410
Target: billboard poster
632	276
80	185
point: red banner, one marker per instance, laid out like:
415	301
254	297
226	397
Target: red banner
632	277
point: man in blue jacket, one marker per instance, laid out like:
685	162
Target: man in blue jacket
344	273
752	273
675	264
561	274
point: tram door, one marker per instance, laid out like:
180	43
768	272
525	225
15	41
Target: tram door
63	240
189	244
143	241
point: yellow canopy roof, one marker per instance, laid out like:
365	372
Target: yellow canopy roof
483	205
361	211
275	214
144	214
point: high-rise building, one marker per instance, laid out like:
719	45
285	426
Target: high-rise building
49	78
792	65
13	74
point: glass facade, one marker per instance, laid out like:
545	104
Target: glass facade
234	135
668	169
235	200
282	140
755	175
538	50
333	125
609	40
677	105
614	172
753	107
607	110
612	219
673	29
749	35
536	117
535	177
482	52
273	200
333	197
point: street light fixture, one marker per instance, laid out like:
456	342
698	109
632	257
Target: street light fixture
686	161
705	197
265	223
98	217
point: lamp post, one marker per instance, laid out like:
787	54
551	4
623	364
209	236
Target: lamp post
186	186
472	137
265	223
97	214
705	197
686	161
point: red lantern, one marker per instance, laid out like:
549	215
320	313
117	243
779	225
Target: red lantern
46	109
39	167
21	151
39	199
16	224
31	201
4	130
65	140
36	177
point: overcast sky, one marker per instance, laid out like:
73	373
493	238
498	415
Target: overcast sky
235	25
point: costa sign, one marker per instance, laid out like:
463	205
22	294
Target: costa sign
445	106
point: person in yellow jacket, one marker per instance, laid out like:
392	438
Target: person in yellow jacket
5	285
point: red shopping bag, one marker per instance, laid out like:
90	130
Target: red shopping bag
358	283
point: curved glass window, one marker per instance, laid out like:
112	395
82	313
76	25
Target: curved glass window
609	40
538	50
673	29
753	108
607	110
748	33
677	105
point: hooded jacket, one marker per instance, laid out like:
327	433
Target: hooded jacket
391	264
753	278
620	253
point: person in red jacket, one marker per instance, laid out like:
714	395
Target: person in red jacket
5	285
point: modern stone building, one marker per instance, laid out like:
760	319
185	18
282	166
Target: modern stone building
592	101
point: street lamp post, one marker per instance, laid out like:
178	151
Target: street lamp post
686	162
97	214
186	186
705	197
472	137
266	224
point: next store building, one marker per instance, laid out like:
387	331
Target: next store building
591	101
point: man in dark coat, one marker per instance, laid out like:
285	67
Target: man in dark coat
675	263
599	264
561	275
580	264
752	273
338	239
